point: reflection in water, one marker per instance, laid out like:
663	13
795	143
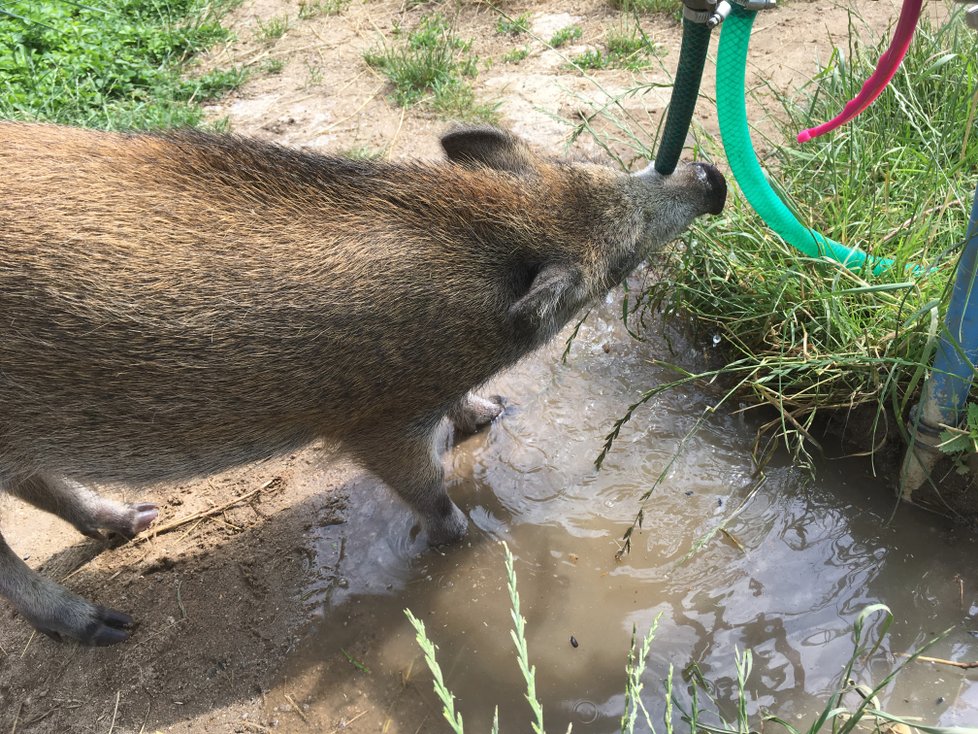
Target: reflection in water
799	563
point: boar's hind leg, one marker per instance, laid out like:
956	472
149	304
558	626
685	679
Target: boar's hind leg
409	464
82	507
474	412
54	610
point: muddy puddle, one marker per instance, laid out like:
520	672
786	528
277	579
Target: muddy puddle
787	579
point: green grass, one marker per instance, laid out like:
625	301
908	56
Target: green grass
565	35
314	76
316	8
363	153
272	29
513	26
625	48
669	7
272	66
111	64
516	55
810	337
430	66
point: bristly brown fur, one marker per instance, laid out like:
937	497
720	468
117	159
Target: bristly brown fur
176	304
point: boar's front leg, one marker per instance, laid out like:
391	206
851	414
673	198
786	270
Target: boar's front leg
83	508
409	464
54	610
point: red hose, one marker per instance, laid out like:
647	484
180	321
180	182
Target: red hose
888	64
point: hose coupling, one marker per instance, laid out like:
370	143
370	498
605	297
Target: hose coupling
924	432
698	11
719	15
723	8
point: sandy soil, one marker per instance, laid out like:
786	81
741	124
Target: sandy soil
219	595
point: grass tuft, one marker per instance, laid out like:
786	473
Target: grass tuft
316	8
272	66
516	55
565	35
431	67
272	29
625	48
513	26
666	7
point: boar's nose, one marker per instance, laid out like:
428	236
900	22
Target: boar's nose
716	186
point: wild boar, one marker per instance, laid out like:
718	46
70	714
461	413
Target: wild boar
176	304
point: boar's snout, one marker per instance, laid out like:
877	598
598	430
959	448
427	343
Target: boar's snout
700	185
716	186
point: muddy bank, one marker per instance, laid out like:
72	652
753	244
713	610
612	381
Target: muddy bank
217	601
875	434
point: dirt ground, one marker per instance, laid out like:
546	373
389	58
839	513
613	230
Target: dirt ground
218	587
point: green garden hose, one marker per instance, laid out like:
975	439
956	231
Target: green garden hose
685	90
732	114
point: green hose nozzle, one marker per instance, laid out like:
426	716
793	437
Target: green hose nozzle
685	90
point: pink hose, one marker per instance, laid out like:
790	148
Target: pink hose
888	64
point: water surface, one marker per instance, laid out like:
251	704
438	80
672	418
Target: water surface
786	580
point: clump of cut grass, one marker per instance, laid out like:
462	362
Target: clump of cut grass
625	48
112	64
430	67
838	715
566	35
810	337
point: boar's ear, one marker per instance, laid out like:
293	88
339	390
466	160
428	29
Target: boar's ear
547	304
487	146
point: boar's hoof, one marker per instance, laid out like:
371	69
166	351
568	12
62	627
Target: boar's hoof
112	628
62	615
109	628
126	521
87	623
143	516
449	528
476	412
